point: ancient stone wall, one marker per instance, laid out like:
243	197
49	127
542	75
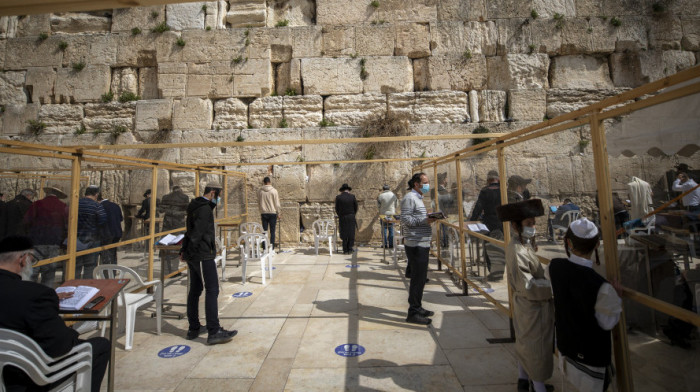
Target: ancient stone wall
273	69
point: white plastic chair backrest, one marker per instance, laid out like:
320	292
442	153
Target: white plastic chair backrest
250	227
114	271
570	216
253	245
324	228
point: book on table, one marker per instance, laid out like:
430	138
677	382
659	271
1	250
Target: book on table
477	227
436	215
81	296
171	239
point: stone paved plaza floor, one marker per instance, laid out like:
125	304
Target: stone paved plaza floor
289	329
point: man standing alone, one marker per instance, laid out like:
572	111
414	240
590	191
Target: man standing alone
269	202
387	202
346	208
417	235
91	218
199	251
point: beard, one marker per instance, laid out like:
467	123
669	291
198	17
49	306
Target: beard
27	272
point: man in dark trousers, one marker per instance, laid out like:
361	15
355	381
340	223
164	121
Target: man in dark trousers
112	230
199	251
33	311
346	208
91	218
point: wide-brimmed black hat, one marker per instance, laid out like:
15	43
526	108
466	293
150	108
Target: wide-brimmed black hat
516	180
344	187
516	212
15	243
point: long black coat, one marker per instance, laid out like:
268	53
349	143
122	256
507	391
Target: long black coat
200	239
15	210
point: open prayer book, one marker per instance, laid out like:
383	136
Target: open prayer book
171	239
81	296
477	227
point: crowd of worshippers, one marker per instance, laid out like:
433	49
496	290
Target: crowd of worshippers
100	222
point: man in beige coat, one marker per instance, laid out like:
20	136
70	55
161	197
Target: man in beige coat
269	202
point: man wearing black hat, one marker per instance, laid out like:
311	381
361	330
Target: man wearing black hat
47	224
33	311
346	208
15	210
199	251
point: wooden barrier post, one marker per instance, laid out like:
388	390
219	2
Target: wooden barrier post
506	230
73	216
462	245
607	224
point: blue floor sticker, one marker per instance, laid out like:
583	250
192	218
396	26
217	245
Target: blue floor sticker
267	269
174	351
349	350
242	294
351	266
485	289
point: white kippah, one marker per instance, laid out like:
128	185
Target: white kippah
583	228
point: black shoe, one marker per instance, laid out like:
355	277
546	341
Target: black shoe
221	336
418	319
194	333
523	385
426	313
548	387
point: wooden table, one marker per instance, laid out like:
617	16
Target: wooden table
109	288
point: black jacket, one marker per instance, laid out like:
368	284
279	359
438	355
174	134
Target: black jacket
200	239
174	206
32	309
345	204
489	199
15	210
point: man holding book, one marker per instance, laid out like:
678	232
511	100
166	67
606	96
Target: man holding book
33	311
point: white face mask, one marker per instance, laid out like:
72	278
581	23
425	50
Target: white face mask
528	232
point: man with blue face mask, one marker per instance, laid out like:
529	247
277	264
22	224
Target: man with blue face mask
417	234
199	251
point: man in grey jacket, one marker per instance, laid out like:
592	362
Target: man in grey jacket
387	203
417	235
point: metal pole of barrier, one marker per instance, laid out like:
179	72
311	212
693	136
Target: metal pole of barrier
279	233
152	218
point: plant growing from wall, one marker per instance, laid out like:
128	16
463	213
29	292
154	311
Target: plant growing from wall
326	123
63	45
204	8
374	4
615	21
180	42
467	54
291	92
108	96
283	123
238	60
559	18
531	48
582	144
282	23
116	131
369	153
363	71
300	158
128	96
154	14
534	14
77	67
162	27
479	130
135	31
43	36
80	130
36	127
208	28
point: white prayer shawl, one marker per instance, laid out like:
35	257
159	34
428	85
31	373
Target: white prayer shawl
533	311
640	198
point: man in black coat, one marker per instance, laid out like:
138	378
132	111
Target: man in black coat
33	311
15	210
489	199
346	208
173	206
199	251
112	231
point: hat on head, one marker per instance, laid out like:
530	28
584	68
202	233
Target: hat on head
214	185
682	167
385	187
52	190
344	187
516	212
516	180
583	228
148	192
491	174
15	243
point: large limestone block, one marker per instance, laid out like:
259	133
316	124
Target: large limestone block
691	33
125	19
202	46
211	15
139	50
626	69
245	13
87	85
295	76
354	109
548	8
374	40
192	114
3	46
125	80
28	52
33	25
388	75
148	83
582	72
655	66
454	72
440	107
185	16
474	106
504	9
527	105
8	26
311	212
296	12
492	104
518	71
266	112
397	11
561	101
461	10
230	113
327	76
339	12
282	78
12	88
303	110
338	40
464	39
252	78
290	226
61	118
412	40
207	85
632	35
40	81
316	152
421	80
80	23
108	116
307	41
153	115
665	32
16	117
515	36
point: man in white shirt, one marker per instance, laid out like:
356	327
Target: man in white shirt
387	203
684	183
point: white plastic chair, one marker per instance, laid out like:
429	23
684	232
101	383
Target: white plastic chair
566	219
250	228
324	230
398	245
19	350
130	302
254	247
